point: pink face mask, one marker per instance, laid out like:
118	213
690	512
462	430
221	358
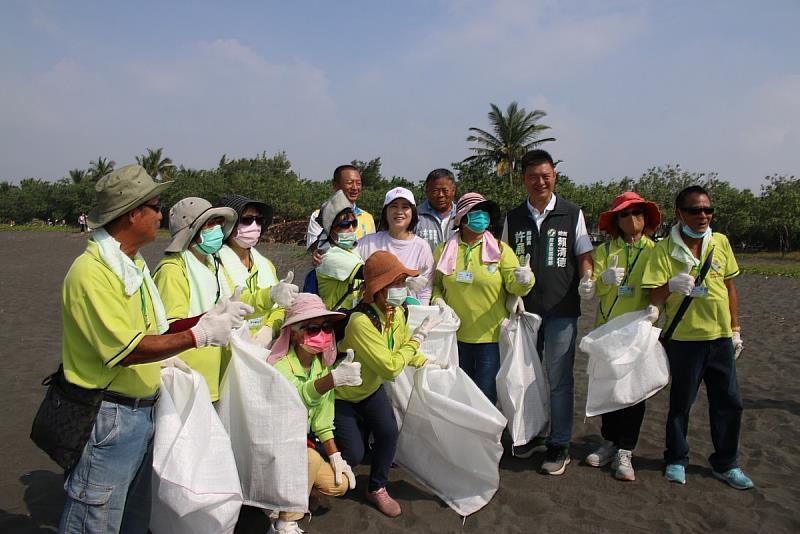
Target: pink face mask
247	236
318	342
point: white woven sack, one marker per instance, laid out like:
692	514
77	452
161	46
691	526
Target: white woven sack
267	422
627	363
195	484
522	389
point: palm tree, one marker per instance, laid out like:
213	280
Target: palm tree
515	133
77	175
155	164
101	167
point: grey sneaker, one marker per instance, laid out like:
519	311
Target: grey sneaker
556	461
602	455
527	450
622	466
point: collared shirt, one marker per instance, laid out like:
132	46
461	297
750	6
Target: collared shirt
434	227
583	242
366	225
632	297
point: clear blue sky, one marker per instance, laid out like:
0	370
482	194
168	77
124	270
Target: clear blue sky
627	85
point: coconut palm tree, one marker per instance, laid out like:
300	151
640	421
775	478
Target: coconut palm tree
515	133
101	167
77	175
156	164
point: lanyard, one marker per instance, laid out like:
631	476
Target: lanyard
628	271
468	253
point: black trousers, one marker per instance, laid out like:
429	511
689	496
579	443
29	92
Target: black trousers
622	427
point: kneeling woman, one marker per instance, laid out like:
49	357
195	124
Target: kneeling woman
304	353
379	335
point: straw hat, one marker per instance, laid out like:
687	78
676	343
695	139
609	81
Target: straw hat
470	201
120	191
238	203
380	270
607	219
188	216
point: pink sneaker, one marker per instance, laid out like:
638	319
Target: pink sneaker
384	502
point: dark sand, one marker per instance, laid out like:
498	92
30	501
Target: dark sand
585	499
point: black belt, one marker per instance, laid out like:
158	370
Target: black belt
134	402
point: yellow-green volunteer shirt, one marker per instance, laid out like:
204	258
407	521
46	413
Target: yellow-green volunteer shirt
259	299
706	318
481	302
173	286
102	326
630	295
383	354
320	407
366	224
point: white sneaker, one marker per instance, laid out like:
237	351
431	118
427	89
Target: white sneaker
602	455
622	466
284	527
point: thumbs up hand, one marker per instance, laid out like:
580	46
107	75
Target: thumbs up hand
523	274
683	282
348	372
284	292
614	275
586	287
236	307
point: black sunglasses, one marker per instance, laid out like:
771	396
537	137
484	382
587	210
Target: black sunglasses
348	224
155	207
314	329
697	211
250	219
638	212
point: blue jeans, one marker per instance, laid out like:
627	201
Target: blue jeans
713	363
108	490
374	414
556	345
481	362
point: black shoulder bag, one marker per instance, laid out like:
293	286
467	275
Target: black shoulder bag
666	335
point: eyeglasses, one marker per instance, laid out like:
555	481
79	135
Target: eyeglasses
697	211
247	220
347	224
155	207
441	191
314	329
637	212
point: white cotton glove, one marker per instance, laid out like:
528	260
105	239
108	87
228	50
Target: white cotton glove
348	372
236	307
652	313
523	274
514	305
737	344
429	323
447	313
214	327
415	284
339	466
614	275
262	337
442	364
284	292
586	287
177	363
682	283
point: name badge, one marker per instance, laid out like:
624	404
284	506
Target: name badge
492	267
699	291
465	277
255	322
625	291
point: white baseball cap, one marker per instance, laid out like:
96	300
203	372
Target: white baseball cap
399	192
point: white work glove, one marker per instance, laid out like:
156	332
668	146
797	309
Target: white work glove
236	307
523	274
339	466
177	363
737	344
415	284
514	305
652	313
442	364
284	292
586	287
682	283
348	372
447	313
614	275
214	327
262	337
429	323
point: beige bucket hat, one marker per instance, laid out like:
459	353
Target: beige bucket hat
120	191
188	216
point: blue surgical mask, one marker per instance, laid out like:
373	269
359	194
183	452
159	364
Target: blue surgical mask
478	221
346	240
396	296
691	233
211	240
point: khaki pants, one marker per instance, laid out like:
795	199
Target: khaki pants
321	480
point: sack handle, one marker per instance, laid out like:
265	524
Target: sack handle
667	335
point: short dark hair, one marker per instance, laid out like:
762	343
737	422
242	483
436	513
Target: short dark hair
536	157
337	172
680	200
384	221
435	174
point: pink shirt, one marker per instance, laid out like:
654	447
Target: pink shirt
414	253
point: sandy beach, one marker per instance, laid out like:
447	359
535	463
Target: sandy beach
585	499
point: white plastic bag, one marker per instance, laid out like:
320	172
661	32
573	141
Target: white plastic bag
627	364
195	484
267	422
450	439
522	388
441	344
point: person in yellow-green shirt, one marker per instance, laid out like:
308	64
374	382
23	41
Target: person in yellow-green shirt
379	336
304	354
475	275
618	267
706	341
115	337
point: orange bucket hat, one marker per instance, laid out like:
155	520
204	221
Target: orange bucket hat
380	270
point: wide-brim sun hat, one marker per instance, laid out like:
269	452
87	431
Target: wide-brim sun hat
331	208
399	192
120	191
471	201
306	306
607	223
238	203
381	269
188	216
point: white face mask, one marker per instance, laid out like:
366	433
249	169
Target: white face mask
396	296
